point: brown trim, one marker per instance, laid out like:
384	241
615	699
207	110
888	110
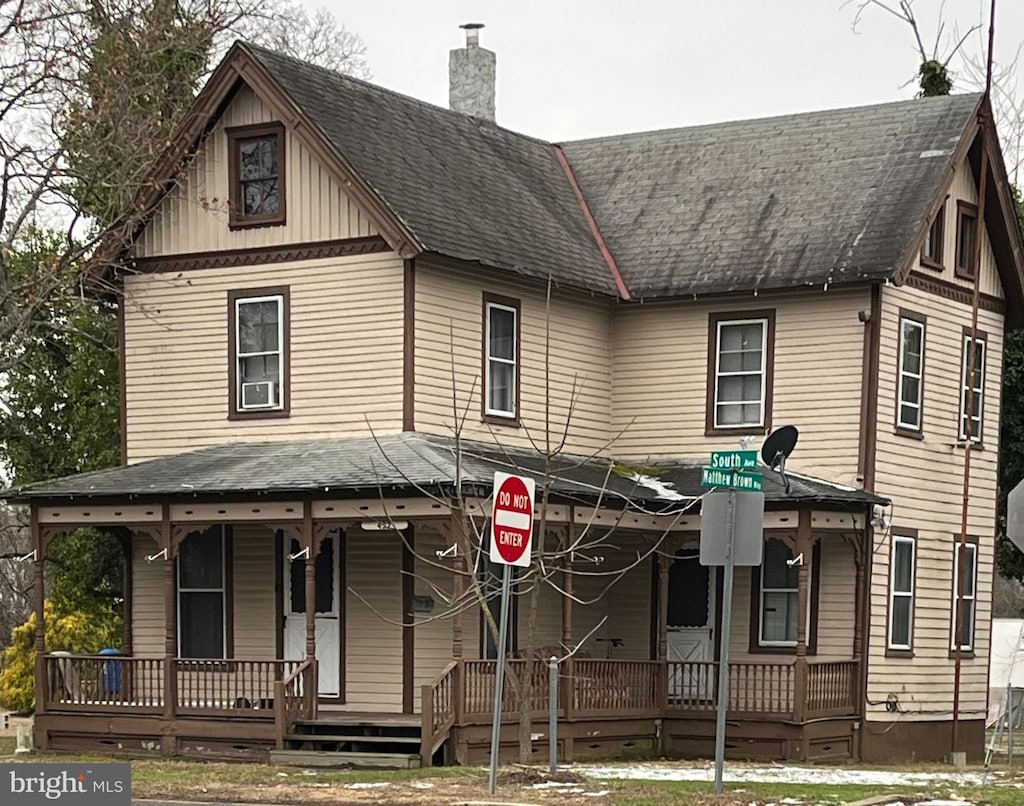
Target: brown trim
938	221
654	605
408	621
954	595
754	645
342	571
891	652
981	335
262	255
922	320
409	345
714	320
592	223
234	413
508	302
965	210
279	582
122	378
906	740
237	219
868	443
956	293
229	591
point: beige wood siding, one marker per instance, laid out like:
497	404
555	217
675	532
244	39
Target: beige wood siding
933	466
373	615
147	600
254	605
964	189
194	216
660	377
346	353
449	324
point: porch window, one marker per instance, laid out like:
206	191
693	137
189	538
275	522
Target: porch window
256	175
910	394
202	612
931	251
966	235
739	371
501	358
779	595
970	579
901	592
972	389
259	352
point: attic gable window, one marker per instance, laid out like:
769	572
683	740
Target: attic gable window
258	336
257	182
931	252
966	235
740	365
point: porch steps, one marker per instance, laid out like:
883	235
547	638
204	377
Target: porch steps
356	740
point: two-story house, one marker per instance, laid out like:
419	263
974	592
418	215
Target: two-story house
348	308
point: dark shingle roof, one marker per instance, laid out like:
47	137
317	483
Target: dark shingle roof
466	188
811	199
398	463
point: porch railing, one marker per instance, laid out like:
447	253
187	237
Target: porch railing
229	687
104	682
295	698
832	688
628	687
755	688
437	707
479	688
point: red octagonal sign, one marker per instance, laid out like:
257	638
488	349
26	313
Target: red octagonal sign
512	519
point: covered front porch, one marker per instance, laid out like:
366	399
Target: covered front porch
257	619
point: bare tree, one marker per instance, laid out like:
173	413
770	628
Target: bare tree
16	575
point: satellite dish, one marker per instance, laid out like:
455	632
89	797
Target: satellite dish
777	448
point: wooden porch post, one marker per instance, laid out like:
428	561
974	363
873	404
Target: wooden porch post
862	551
663	568
310	569
567	586
39	544
127	640
167	543
459	567
805	547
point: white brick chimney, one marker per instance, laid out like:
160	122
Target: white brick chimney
471	76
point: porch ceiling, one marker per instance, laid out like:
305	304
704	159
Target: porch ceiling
405	463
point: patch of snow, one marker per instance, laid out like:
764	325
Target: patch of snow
835	485
599	794
944	803
663	489
422	785
374	785
560	786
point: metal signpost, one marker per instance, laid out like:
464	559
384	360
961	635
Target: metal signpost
511	533
730	535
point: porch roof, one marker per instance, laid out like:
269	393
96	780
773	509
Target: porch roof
404	463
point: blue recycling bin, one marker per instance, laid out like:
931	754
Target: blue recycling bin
110	674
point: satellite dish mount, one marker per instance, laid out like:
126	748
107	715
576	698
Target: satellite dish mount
777	448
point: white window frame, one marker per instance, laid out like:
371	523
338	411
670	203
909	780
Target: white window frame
763	371
894	594
760	601
903	373
222	590
971	583
978	415
491	359
239	355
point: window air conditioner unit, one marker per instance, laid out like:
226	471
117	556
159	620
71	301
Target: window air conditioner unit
261	395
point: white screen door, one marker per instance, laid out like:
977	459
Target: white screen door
691	625
328	623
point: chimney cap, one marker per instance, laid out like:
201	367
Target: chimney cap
471	26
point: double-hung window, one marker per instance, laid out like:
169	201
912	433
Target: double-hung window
972	387
501	358
910	392
259	347
901	592
779	595
740	368
202	601
963	605
256	178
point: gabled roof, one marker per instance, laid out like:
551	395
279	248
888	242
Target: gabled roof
397	464
816	199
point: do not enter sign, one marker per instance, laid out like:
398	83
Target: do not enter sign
512	519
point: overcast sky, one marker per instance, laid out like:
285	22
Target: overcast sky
569	69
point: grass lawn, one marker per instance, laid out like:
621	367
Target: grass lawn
263	783
7	745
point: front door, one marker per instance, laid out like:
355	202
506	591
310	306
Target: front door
327	567
691	625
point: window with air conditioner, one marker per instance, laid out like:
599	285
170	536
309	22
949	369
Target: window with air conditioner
259	345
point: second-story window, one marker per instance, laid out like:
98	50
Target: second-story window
966	238
501	358
910	393
972	387
259	352
740	365
256	175
901	592
931	251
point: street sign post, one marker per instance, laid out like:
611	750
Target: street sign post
511	545
728	469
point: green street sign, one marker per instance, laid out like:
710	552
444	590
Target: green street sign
733	460
733	479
